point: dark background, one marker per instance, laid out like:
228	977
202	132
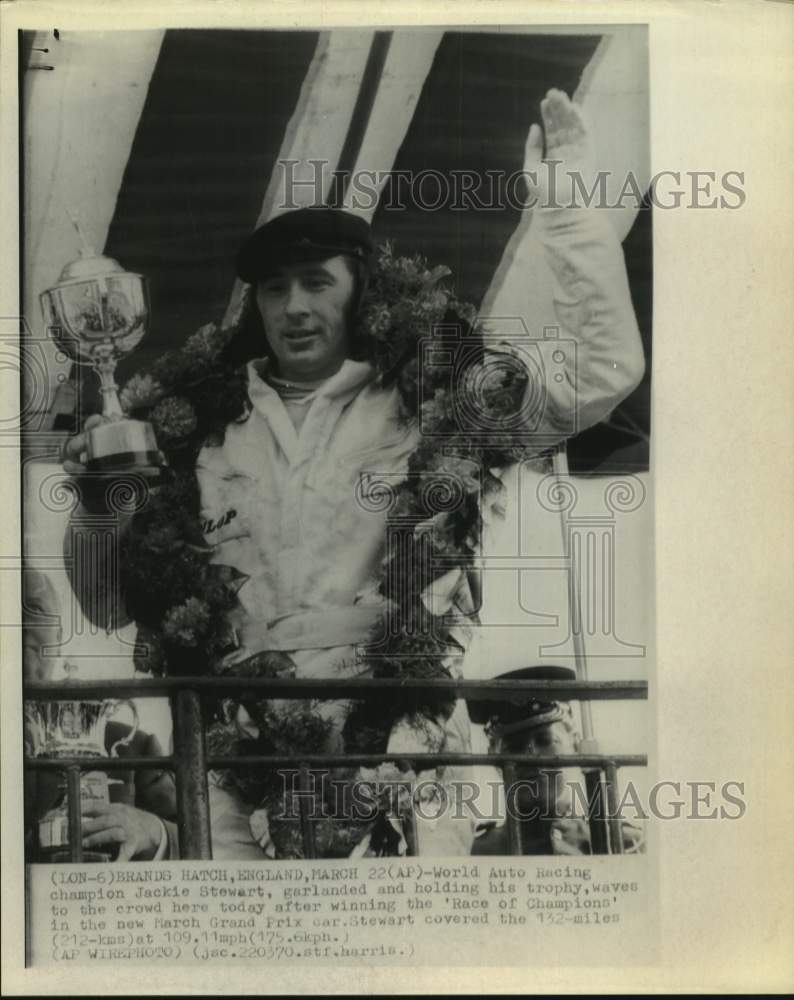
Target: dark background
211	130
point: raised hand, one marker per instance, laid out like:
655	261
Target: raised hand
567	142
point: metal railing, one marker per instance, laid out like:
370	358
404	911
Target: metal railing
190	761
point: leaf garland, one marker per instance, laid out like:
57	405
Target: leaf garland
182	602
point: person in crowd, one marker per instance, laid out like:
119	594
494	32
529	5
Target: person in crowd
550	803
138	821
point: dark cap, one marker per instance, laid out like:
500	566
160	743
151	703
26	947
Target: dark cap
527	712
304	234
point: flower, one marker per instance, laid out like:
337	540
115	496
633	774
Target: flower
466	311
174	418
139	392
440	528
186	623
431	278
377	320
206	343
436	411
456	470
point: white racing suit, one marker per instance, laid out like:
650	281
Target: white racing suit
286	509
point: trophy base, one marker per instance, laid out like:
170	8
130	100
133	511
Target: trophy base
126	461
125	446
63	856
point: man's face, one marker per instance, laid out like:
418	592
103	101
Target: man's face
304	309
540	789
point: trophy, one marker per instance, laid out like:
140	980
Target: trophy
58	729
97	313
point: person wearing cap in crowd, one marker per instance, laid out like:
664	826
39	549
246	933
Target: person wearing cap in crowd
278	497
547	801
139	820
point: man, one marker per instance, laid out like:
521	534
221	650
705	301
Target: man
139	818
548	802
279	496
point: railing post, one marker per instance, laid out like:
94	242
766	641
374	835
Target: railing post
192	789
410	829
511	813
615	830
74	806
597	817
306	790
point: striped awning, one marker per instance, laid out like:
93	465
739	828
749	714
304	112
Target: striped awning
173	145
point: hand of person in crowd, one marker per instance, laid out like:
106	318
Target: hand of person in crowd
136	832
570	836
567	143
633	838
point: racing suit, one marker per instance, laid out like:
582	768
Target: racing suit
284	507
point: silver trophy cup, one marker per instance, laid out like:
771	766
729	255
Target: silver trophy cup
97	313
74	728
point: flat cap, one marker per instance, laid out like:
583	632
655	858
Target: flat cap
304	234
530	711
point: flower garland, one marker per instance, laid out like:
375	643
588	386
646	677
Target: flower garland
181	601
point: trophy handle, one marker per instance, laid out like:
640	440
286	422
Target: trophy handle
113	707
